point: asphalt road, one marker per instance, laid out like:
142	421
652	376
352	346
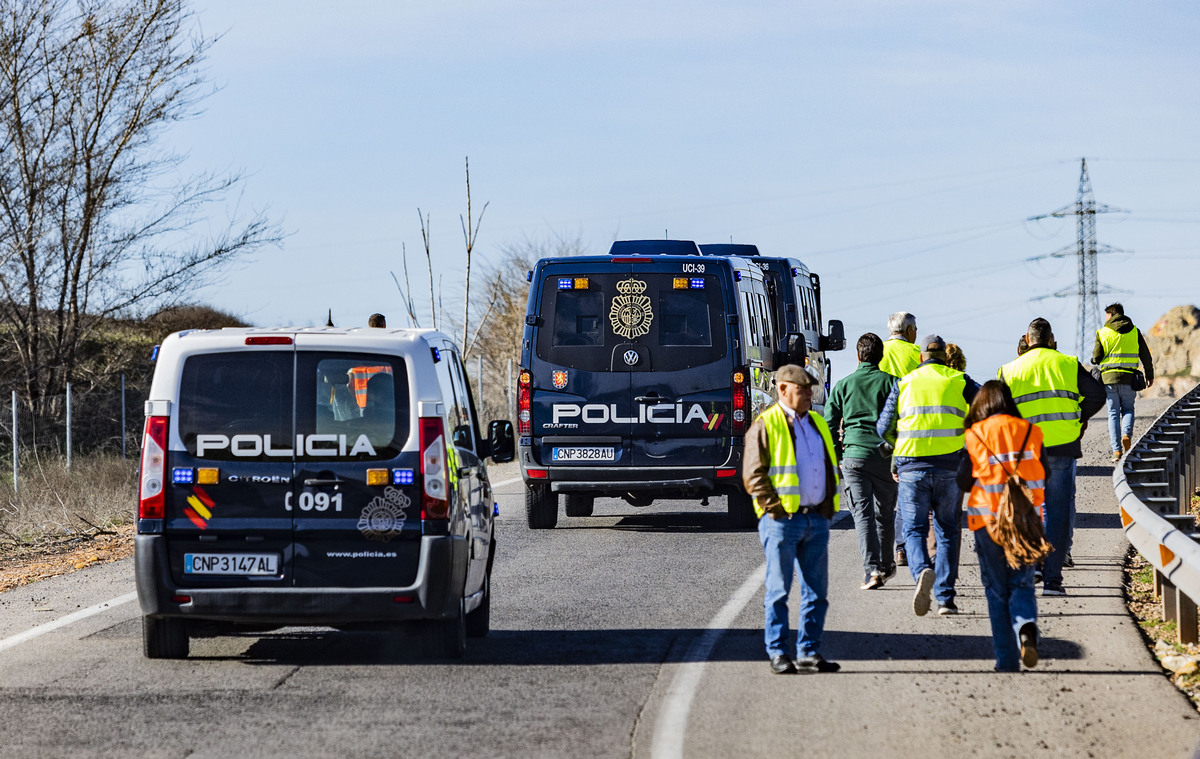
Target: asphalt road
636	632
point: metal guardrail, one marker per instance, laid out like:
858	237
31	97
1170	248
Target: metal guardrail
1155	483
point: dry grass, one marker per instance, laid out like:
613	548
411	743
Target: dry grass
1160	636
53	503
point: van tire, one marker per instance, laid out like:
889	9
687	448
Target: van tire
578	505
541	508
446	638
740	507
164	638
479	621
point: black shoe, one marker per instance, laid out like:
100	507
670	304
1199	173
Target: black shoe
947	609
901	557
1051	588
1028	637
1068	562
889	573
783	665
816	663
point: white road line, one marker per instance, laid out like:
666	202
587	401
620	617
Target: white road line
91	611
505	482
671	727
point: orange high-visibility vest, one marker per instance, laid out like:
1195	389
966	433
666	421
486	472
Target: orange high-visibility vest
990	466
360	376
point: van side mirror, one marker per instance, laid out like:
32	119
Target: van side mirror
795	350
836	339
500	441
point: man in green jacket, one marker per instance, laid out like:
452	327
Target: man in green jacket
853	409
1119	348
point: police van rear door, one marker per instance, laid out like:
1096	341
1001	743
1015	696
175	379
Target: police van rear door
681	381
227	519
581	406
356	510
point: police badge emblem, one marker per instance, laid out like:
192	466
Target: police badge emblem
630	313
559	378
383	518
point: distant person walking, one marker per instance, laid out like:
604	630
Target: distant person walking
1000	443
900	353
1056	393
853	409
1119	348
900	356
377	320
928	406
790	469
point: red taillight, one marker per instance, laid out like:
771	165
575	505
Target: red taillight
152	477
630	260
536	474
403	599
269	340
727	473
181	599
741	396
435	496
524	412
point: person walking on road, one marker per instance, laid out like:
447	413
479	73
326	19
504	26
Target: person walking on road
853	409
900	356
790	469
1056	393
999	443
1119	348
928	406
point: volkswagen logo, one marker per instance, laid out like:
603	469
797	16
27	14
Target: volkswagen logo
631	357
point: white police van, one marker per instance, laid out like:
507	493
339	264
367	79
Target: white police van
317	476
642	370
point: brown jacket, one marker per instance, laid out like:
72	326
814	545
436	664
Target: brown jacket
756	460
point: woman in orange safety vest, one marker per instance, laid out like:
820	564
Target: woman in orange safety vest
1000	442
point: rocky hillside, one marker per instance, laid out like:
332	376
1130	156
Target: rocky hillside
1174	342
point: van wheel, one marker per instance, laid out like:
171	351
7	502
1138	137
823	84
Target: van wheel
740	507
577	505
447	638
480	620
164	638
541	507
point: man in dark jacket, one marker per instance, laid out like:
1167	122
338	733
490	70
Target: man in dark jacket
1119	348
853	408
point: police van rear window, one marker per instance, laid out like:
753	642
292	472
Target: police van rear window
279	406
585	319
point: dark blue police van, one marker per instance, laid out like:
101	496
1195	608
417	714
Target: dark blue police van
642	370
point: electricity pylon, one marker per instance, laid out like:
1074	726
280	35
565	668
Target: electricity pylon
1085	249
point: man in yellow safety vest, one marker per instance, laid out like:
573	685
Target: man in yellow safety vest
790	469
900	356
928	406
1056	393
1119	348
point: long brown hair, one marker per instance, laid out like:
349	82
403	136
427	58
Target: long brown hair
993	398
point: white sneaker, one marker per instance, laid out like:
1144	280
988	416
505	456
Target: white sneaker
922	598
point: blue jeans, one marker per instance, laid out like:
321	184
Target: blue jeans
801	540
1010	599
1058	513
1120	413
920	491
872	496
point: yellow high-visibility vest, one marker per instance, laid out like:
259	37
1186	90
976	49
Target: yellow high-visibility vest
1045	385
931	410
1120	351
899	357
782	472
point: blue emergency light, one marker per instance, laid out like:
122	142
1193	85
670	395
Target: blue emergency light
566	283
402	476
697	283
183	476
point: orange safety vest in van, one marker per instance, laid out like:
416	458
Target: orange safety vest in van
993	447
360	376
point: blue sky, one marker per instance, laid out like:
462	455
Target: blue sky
896	147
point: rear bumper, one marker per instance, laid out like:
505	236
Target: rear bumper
646	480
435	593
